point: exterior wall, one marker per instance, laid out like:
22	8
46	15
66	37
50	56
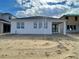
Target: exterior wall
1	27
29	24
61	27
29	28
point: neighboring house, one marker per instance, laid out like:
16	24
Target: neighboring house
38	25
72	24
5	19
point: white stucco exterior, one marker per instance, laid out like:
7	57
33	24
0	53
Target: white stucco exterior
29	26
4	19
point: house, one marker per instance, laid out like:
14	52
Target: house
72	23
45	25
5	19
38	25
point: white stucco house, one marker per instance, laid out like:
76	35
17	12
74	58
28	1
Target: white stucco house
38	25
5	19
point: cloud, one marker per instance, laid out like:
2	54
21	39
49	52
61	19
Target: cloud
73	11
57	8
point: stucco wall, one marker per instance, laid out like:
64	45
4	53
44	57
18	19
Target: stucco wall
29	24
61	27
29	28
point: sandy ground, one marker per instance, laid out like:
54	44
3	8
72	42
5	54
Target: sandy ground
38	47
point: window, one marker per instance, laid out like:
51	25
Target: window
74	27
76	19
66	17
67	27
35	24
20	25
71	27
45	25
40	24
54	27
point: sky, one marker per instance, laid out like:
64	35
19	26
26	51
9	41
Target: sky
52	8
10	6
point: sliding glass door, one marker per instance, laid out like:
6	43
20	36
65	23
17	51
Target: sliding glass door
54	28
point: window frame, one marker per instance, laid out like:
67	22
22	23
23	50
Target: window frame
76	18
71	27
35	25
68	27
46	25
20	25
66	17
40	24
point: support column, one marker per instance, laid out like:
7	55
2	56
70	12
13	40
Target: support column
59	28
64	30
1	28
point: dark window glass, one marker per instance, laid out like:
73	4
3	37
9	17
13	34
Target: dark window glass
71	27
46	25
67	27
40	24
22	25
74	27
75	18
18	25
66	17
35	25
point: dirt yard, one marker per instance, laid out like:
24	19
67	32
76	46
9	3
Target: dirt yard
38	47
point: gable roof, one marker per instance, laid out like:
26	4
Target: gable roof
3	20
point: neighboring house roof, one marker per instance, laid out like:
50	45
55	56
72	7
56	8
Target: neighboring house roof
6	14
71	15
3	20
